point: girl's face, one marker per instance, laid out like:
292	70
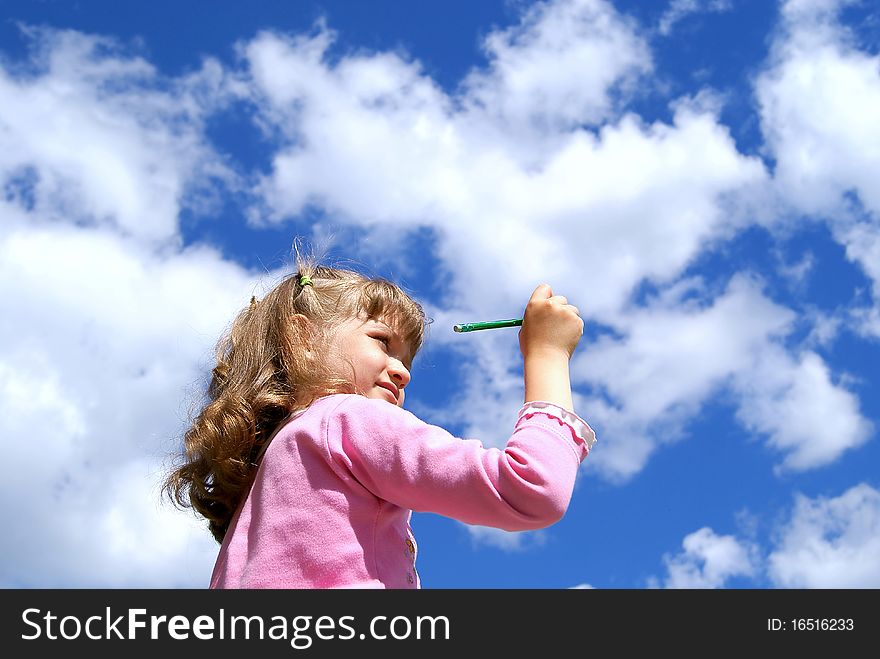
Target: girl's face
374	356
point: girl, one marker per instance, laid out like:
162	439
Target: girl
307	467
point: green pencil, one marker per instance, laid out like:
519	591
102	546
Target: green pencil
489	324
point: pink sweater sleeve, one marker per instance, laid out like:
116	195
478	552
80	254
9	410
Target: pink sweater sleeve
416	465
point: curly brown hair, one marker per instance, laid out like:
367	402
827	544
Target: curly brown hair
269	365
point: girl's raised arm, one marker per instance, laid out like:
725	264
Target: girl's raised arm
550	332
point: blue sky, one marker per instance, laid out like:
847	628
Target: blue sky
697	176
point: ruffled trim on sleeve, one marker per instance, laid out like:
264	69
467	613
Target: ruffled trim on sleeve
580	427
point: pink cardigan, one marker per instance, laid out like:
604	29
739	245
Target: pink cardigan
332	499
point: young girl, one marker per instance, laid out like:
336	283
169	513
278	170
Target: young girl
307	467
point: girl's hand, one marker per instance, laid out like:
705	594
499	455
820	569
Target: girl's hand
551	326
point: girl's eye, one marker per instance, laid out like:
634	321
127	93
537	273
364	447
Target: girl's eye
382	339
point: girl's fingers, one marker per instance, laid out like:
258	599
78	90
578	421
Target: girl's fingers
542	292
562	301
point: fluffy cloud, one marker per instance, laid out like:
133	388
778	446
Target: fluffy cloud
102	341
709	560
830	542
94	135
106	324
373	140
825	542
818	100
669	357
559	68
803	413
679	349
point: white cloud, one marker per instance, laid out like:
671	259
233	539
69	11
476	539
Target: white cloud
367	123
103	343
805	415
683	347
673	346
670	356
830	542
106	324
93	135
825	542
559	68
709	560
679	9
818	100
377	142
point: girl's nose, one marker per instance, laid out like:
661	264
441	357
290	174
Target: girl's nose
400	375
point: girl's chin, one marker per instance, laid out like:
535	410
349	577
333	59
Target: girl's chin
384	394
380	393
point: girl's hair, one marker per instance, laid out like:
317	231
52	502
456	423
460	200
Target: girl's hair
270	363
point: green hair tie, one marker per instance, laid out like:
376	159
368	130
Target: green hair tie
305	281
